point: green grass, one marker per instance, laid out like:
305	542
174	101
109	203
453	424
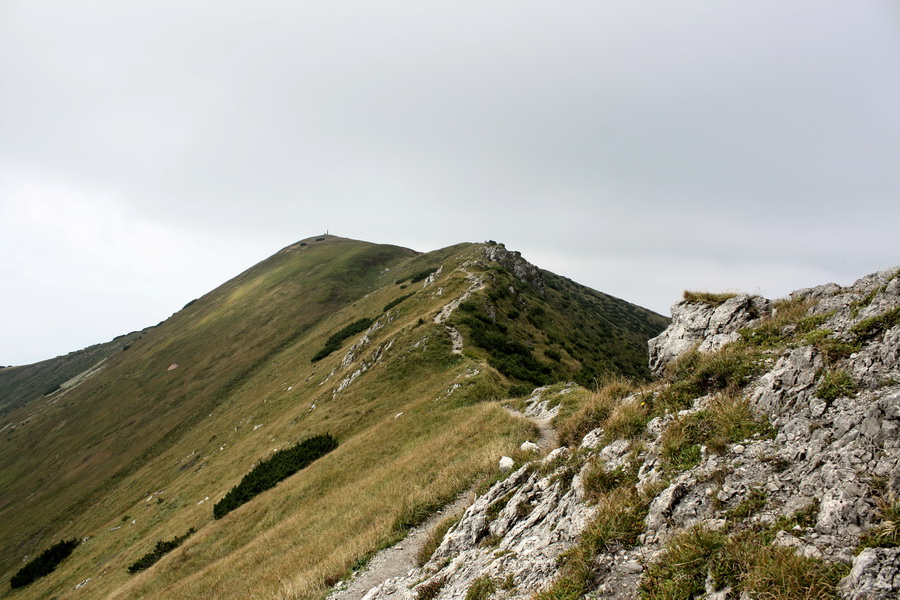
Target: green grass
709	298
481	588
778	329
742	561
681	572
836	384
580	413
694	374
872	327
804	517
752	503
726	420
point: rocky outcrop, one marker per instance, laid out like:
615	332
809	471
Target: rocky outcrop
516	530
704	326
875	575
812	477
523	270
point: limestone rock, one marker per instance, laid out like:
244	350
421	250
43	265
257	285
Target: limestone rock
706	327
875	575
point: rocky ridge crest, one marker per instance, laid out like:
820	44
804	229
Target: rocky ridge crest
813	477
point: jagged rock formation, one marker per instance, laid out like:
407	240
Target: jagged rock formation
803	478
706	326
521	268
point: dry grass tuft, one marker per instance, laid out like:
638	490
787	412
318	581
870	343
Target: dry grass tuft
592	414
710	298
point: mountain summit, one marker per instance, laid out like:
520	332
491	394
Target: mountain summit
401	358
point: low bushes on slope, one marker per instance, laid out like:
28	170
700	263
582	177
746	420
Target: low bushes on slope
160	550
281	465
44	563
418	276
333	343
395	302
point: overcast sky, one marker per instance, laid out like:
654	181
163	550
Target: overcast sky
151	150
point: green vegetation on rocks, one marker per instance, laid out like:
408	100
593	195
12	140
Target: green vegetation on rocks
836	384
710	298
743	561
695	374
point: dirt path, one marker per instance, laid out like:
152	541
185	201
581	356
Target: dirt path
549	439
400	558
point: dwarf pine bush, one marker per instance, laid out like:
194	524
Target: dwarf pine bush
279	466
333	343
160	550
44	563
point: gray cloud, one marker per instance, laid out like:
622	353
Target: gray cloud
639	148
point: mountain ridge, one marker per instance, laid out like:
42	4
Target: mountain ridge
231	374
764	464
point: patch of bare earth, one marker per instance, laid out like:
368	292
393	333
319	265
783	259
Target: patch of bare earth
397	560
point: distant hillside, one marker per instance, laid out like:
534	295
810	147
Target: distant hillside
21	384
402	357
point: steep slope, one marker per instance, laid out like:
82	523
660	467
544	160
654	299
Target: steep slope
141	449
764	464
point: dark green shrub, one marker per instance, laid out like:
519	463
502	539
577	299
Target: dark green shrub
395	302
334	342
418	276
519	390
268	473
553	354
44	563
160	550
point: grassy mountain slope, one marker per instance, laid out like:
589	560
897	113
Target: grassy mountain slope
20	385
141	450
